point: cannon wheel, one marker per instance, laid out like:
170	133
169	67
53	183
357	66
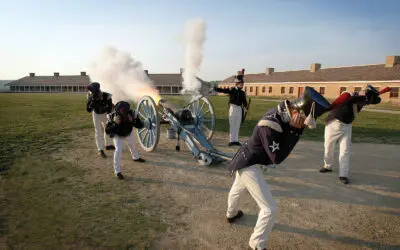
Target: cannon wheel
203	110
150	134
204	159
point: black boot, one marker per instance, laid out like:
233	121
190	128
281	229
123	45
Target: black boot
120	176
325	170
139	160
344	180
238	216
102	154
110	147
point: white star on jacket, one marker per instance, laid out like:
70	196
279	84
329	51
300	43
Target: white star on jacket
274	146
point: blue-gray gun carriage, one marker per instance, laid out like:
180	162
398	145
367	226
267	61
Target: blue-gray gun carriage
194	124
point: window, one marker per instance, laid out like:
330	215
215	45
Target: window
251	89
270	90
394	93
322	90
357	89
291	90
342	89
263	89
282	90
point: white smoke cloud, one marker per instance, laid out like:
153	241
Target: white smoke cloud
194	38
121	75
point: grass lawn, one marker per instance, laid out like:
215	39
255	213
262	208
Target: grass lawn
384	106
48	203
369	127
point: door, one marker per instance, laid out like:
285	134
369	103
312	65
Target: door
301	90
256	91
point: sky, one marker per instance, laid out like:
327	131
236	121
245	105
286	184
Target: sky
65	36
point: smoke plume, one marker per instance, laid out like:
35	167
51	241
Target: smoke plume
122	76
194	38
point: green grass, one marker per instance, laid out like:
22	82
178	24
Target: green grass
369	127
48	203
386	106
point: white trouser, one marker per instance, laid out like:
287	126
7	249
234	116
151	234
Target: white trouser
341	132
235	118
100	121
251	178
118	150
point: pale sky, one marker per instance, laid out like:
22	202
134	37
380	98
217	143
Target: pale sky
46	36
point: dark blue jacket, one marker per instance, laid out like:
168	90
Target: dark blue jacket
236	96
271	142
125	127
99	105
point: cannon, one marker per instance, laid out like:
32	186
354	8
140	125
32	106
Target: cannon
194	124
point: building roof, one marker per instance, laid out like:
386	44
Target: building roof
355	73
79	80
166	79
62	80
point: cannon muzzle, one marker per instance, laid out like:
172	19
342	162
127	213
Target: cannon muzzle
167	105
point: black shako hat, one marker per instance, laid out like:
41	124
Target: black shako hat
239	78
94	87
122	107
305	102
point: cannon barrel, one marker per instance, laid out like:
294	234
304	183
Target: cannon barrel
172	107
184	115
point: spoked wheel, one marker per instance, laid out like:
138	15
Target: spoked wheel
203	110
150	134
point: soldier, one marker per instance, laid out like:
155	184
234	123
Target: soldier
339	128
99	104
237	101
119	126
273	138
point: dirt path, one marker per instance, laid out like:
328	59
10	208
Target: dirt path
315	211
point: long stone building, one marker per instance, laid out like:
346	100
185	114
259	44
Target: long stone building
330	82
167	84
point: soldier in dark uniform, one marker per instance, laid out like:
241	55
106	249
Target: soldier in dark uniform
339	128
99	103
273	138
120	126
237	101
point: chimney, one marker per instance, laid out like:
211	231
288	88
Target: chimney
181	70
56	74
391	61
269	71
31	74
315	67
83	73
146	71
